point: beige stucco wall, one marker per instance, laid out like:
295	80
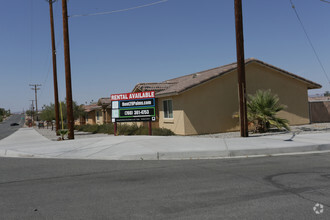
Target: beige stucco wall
176	124
209	107
98	120
292	92
91	118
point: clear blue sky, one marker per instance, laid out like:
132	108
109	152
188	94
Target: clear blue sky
111	53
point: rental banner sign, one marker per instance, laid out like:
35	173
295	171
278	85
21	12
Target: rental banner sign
136	95
133	107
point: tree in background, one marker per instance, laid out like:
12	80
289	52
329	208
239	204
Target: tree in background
327	93
1	114
29	112
48	111
262	111
4	113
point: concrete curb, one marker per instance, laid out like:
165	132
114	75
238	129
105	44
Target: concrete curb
229	154
29	143
11	153
195	155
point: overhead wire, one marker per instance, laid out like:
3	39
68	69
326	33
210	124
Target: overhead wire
120	10
59	41
309	40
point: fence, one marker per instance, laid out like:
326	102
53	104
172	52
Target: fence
319	111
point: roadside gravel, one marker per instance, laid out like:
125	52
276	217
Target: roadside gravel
51	135
299	129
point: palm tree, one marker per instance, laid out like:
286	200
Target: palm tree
63	132
262	110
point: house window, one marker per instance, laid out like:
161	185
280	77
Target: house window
98	115
168	109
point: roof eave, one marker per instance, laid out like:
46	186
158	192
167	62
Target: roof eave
317	86
166	94
310	84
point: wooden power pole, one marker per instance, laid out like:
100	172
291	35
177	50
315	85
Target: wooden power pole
241	68
57	115
69	106
32	111
35	88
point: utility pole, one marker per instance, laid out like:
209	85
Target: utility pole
32	111
57	115
69	107
241	68
35	88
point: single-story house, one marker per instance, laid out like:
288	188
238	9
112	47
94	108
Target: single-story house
204	102
90	113
96	113
105	104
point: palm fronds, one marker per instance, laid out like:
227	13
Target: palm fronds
262	111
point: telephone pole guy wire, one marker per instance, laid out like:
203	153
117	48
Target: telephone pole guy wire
309	40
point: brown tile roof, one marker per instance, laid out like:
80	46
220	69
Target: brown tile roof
104	101
91	107
183	83
157	87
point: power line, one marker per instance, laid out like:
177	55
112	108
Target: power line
120	10
310	41
325	1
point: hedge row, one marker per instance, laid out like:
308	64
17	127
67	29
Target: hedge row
123	129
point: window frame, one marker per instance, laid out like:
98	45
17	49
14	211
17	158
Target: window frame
168	114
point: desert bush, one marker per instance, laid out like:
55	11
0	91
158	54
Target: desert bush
162	132
123	129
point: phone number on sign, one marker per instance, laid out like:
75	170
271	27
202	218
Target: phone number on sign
137	112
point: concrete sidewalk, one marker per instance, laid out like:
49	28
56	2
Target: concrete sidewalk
27	142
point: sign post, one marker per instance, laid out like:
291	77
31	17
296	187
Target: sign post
115	129
150	128
133	107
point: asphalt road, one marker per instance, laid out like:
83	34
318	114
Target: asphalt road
286	187
6	129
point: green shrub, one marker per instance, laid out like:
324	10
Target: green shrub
142	131
78	127
162	132
89	128
106	129
94	129
123	129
